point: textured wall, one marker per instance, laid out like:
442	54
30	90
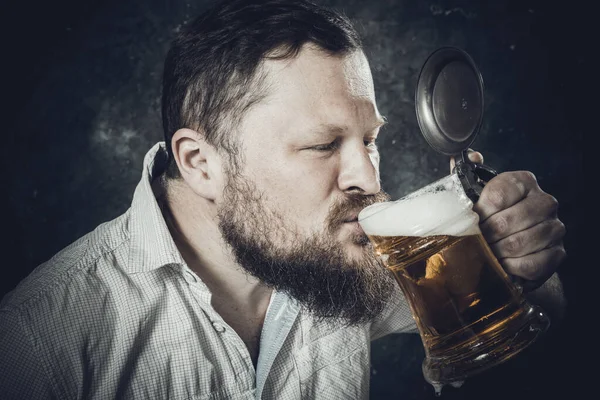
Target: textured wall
83	90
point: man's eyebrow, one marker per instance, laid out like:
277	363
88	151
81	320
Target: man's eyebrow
329	128
339	129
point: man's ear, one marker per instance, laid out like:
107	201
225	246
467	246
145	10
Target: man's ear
199	163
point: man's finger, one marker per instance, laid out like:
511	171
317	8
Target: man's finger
537	266
504	191
531	240
526	213
474	156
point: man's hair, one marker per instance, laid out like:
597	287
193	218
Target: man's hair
211	70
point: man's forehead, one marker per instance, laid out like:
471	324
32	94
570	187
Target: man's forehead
316	71
314	95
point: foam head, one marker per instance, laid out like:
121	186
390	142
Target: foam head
441	208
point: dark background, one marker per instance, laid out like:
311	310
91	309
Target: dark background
81	85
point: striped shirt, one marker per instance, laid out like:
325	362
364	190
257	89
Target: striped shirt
119	314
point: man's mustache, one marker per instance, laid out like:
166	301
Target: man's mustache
347	208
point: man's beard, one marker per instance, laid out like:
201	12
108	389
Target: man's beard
314	270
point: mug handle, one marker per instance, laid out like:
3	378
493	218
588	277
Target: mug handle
473	178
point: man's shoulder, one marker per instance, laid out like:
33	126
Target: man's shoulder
69	270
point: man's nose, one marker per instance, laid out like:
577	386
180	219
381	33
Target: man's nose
359	171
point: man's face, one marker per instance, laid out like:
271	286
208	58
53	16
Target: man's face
309	166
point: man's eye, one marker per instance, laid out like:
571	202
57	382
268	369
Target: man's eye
327	147
370	143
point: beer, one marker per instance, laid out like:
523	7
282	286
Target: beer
456	285
468	312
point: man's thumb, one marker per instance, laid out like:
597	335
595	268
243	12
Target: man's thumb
474	156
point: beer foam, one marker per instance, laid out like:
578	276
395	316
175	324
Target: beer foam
426	214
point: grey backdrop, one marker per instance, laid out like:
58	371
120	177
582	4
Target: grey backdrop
82	87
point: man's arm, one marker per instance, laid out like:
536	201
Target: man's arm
21	373
550	296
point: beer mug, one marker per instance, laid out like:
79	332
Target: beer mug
469	312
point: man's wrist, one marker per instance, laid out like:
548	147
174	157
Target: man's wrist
550	297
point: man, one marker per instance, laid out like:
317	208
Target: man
240	271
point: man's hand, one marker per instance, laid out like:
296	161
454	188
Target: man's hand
519	221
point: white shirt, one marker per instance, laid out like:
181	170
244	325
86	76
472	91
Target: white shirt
118	314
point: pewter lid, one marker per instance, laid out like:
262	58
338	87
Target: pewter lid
449	100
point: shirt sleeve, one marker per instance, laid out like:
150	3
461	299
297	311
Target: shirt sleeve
395	318
21	372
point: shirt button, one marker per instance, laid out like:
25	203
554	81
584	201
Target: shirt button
191	277
218	327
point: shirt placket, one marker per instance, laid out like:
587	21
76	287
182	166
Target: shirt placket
278	323
236	348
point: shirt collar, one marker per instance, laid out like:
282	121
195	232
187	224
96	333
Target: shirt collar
151	243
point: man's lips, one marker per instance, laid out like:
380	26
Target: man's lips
353	224
352	218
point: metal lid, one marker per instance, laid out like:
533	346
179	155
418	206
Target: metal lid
449	100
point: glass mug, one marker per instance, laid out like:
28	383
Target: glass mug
469	313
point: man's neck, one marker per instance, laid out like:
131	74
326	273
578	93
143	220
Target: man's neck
239	298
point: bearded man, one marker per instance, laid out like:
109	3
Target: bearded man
240	270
